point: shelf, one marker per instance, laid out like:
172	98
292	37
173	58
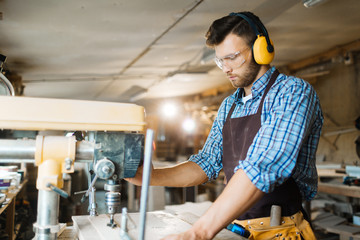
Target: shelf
344	190
11	194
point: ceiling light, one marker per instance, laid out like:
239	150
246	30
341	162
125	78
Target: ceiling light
169	110
189	125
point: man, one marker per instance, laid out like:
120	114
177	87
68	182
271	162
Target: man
264	137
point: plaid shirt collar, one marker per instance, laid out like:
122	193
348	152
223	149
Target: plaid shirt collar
257	88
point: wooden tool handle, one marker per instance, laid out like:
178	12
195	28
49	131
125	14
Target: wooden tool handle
275	215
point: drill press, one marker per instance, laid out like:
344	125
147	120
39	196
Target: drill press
116	149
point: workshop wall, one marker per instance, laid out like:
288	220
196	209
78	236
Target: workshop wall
339	93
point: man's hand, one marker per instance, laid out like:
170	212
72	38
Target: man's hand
237	197
137	179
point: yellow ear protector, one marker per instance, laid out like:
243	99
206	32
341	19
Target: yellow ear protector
263	48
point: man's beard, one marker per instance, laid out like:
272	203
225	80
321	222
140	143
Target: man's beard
248	77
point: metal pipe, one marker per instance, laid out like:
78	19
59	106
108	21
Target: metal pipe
84	151
145	181
2	160
47	225
92	202
17	149
23	150
124	219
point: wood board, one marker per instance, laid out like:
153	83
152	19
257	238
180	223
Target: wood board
158	225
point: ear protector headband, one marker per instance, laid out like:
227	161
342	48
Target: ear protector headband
263	48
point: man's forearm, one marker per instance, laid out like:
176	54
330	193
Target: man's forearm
185	174
238	196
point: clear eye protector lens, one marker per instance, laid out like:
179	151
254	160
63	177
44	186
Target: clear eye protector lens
233	60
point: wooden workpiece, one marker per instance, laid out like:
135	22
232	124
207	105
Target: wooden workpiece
158	225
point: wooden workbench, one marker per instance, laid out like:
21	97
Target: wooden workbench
158	224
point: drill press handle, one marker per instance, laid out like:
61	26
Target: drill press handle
86	195
59	191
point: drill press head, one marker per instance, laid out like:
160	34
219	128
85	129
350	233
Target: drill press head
124	150
117	155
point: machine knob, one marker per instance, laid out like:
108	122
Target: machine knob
104	168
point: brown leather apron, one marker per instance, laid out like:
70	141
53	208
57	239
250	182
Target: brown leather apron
238	135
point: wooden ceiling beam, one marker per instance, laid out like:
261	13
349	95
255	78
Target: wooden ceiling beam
325	56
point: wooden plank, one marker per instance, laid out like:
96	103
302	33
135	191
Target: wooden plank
69	233
329	222
197	209
344	190
10	216
330	173
84	228
344	229
338	225
223	235
158	225
339	50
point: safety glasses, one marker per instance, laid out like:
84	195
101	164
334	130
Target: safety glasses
233	60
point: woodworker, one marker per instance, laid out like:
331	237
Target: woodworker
264	137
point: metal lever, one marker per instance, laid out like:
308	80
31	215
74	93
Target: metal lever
57	190
92	203
86	195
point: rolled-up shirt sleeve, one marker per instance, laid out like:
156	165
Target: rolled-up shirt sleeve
286	123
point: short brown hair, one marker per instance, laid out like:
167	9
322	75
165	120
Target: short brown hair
220	28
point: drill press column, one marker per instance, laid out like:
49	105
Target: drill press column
54	156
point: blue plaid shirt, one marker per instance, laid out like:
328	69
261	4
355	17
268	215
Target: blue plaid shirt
286	143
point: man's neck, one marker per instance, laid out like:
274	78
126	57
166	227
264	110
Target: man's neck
263	69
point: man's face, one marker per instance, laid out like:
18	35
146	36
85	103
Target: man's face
235	58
